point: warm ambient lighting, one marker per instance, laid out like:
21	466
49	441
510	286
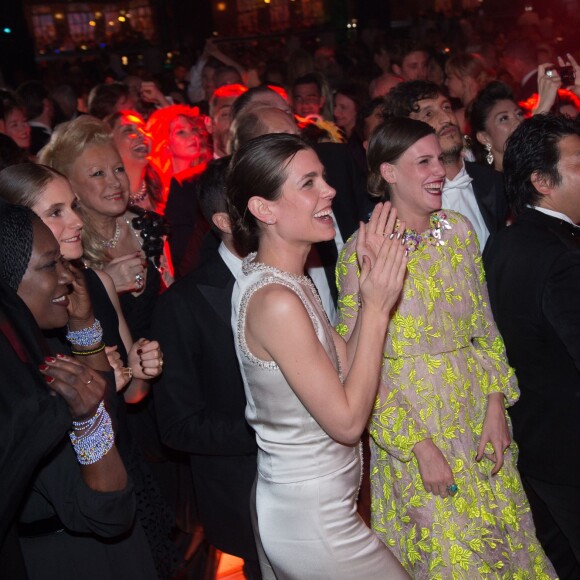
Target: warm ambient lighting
221	6
121	19
59	16
92	23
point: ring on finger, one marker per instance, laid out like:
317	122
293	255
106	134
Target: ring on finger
550	73
452	489
139	280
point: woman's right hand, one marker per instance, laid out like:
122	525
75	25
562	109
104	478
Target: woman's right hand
547	88
125	272
81	387
383	259
433	467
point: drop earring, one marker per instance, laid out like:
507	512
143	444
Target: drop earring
489	154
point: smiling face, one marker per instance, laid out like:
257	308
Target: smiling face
416	179
56	207
99	181
501	122
131	139
303	210
17	128
44	288
438	113
307	100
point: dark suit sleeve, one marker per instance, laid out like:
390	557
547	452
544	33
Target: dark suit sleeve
560	302
187	421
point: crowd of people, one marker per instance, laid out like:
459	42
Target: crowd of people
325	323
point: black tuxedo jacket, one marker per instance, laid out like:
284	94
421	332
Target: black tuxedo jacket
533	273
200	402
489	192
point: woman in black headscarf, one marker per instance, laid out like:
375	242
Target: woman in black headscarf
78	515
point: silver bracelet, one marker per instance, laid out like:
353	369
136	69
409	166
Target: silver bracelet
86	336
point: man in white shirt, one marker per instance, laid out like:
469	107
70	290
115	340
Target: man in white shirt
470	189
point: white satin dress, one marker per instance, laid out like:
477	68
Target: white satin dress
307	483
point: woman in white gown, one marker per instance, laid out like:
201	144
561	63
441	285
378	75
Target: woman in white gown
309	393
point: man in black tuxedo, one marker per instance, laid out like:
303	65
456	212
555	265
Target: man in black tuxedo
470	189
533	272
200	401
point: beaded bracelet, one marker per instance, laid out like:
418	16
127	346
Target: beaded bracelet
86	336
97	350
97	439
78	425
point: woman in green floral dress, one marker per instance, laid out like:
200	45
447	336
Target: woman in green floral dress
446	494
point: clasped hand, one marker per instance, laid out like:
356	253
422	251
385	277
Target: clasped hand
382	259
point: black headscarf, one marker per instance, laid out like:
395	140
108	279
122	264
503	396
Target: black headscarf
32	421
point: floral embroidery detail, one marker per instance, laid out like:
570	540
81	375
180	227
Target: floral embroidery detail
442	357
434	235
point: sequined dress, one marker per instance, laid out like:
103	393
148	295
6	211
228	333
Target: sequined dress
307	483
442	357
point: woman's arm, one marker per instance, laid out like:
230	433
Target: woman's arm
278	328
144	357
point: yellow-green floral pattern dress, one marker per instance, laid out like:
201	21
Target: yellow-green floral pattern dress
443	356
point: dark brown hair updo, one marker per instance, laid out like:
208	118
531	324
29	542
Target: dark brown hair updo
257	169
387	143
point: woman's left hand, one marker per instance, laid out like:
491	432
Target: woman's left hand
79	307
146	359
495	431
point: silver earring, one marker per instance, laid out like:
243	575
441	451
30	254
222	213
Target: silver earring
489	155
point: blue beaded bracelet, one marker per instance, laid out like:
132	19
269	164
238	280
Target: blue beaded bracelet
86	336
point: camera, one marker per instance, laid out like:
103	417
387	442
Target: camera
566	73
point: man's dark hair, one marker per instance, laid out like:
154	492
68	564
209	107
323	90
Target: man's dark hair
103	98
32	94
212	189
534	148
308	79
402	99
401	49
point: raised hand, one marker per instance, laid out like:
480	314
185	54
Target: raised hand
381	281
571	61
81	387
128	272
371	236
146	359
80	308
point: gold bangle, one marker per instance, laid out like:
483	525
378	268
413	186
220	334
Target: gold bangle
128	372
97	350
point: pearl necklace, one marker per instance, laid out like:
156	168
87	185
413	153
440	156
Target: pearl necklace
437	224
135	198
112	243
